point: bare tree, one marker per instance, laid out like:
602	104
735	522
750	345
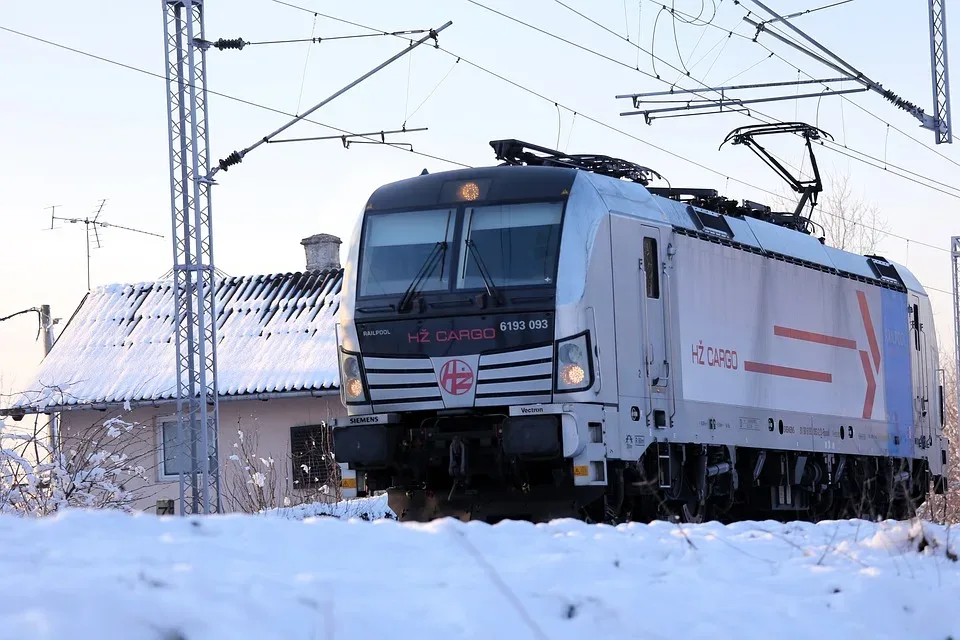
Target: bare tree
845	220
848	221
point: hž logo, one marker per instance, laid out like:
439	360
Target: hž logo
456	377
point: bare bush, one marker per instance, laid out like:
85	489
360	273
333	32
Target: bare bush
94	469
946	508
260	482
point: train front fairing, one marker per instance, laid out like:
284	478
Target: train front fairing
468	364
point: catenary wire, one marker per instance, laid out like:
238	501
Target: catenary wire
636	138
321	40
432	91
306	62
917	179
842	97
447	160
454	162
624	133
226	96
676	43
672	153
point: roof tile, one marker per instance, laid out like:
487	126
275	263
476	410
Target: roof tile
276	333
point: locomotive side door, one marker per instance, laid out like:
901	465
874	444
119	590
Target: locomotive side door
628	315
639	294
652	294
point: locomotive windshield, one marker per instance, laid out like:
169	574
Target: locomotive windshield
513	245
517	244
397	245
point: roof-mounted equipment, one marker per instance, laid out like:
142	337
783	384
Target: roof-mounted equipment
808	189
516	152
885	270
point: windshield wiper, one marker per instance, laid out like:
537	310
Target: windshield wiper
488	283
437	254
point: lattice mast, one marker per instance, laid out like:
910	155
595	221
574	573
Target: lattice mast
193	270
939	70
955	264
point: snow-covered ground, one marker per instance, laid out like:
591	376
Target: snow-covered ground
103	575
375	508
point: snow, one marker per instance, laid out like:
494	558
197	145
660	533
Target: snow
374	508
105	575
276	333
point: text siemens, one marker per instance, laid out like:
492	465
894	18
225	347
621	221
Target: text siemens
715	357
442	335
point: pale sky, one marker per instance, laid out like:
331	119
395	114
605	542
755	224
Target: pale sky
75	130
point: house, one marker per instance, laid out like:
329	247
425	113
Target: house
111	380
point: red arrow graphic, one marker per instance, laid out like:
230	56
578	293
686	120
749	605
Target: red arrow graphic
868	326
833	341
871	385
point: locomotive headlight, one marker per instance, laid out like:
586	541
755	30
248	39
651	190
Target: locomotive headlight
574	367
572	375
469	191
350	378
354	388
351	367
570	353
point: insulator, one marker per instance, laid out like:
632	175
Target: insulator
230	43
230	160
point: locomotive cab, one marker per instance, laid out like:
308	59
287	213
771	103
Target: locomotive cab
467	362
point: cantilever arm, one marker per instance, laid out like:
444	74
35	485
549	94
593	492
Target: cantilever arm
237	156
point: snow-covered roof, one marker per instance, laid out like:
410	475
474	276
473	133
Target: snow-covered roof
276	334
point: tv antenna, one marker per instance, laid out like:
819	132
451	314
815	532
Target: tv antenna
93	224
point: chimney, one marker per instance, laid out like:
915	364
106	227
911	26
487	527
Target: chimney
323	251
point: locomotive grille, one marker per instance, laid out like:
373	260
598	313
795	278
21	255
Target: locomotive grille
521	376
402	383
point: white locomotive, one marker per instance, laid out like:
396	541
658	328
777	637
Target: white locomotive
553	337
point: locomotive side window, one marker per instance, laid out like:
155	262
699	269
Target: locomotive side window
650	267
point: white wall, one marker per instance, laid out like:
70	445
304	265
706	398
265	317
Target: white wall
266	427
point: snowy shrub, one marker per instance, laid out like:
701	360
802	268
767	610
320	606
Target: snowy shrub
945	509
37	479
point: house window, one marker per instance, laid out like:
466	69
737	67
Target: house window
310	450
171	463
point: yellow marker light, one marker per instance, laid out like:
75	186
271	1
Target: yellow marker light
354	388
469	191
572	374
